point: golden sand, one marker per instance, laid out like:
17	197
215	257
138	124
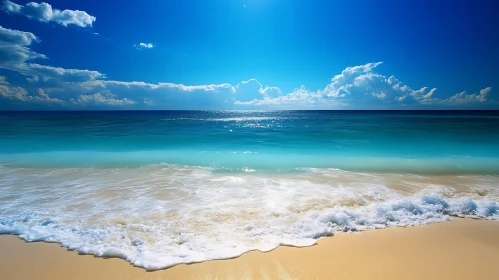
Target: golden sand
460	249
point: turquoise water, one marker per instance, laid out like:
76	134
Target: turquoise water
386	141
168	187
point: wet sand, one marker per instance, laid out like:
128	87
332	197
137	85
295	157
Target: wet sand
460	249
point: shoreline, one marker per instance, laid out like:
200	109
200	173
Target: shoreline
457	249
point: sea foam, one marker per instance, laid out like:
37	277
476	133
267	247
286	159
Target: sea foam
161	215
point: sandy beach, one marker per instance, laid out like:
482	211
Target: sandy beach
460	249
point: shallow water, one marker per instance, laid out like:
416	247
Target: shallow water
162	188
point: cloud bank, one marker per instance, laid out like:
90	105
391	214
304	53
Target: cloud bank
356	87
45	13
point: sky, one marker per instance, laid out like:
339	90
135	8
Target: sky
249	54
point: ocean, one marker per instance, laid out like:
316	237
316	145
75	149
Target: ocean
160	188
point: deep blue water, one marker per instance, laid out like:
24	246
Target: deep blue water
384	141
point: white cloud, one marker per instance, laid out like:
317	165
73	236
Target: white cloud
14	49
13	93
144	46
3	81
360	87
16	93
300	97
16	37
357	87
45	13
12	56
270	91
100	99
179	87
463	98
62	74
44	97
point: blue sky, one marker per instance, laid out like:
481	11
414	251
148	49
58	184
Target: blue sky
252	54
